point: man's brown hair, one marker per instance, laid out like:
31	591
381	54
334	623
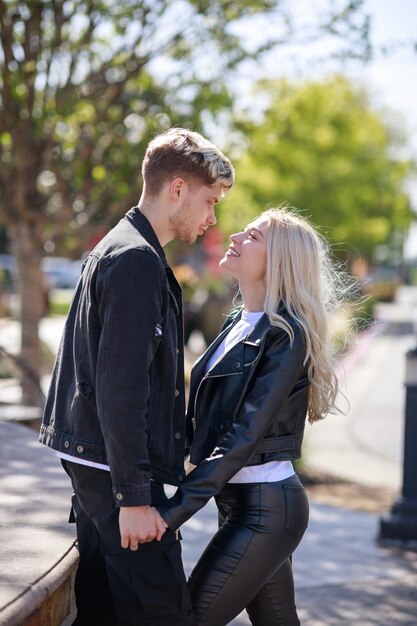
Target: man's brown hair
187	154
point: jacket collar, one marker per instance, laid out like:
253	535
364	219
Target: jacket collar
233	360
143	225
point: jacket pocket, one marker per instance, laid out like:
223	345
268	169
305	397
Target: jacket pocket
220	423
137	580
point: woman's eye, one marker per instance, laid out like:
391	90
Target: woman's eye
252	235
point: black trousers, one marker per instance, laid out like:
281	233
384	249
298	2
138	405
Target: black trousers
116	586
247	564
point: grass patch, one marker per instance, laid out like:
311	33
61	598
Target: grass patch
57	307
59	301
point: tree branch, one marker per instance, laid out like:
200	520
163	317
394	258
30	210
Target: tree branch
6	39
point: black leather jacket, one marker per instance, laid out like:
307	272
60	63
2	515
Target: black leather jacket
248	410
117	390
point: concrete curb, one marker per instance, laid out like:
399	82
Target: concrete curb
47	601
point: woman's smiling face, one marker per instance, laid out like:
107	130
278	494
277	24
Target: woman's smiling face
246	256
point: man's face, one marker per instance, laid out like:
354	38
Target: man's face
196	212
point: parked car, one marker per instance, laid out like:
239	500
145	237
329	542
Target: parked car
60	272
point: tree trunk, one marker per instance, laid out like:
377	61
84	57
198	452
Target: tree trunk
32	306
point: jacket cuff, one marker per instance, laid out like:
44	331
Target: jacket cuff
129	495
170	519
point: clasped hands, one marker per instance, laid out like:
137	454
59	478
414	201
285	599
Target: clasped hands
140	524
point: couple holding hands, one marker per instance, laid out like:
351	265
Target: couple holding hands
116	406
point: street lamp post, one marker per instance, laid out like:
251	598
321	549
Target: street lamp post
399	527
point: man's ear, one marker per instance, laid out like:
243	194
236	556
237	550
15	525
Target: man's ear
176	187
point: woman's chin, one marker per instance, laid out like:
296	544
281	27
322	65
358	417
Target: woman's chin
223	262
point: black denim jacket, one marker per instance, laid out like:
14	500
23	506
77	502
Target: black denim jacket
249	409
117	389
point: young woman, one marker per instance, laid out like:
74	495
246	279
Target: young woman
250	394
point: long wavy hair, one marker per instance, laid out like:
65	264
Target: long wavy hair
301	274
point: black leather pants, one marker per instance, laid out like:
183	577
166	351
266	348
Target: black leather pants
247	564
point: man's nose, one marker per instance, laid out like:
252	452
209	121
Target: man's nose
212	218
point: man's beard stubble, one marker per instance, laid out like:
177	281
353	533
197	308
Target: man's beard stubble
180	225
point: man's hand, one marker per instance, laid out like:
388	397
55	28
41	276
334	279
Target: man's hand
140	524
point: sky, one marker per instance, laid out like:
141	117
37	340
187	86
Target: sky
393	79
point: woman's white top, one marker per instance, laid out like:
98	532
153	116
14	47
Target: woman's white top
274	470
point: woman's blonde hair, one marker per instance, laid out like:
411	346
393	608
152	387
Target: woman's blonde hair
300	274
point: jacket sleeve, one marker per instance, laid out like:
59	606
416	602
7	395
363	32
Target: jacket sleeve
278	371
130	304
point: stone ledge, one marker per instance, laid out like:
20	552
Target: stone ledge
36	587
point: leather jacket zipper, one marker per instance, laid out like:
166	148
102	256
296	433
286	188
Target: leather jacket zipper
206	377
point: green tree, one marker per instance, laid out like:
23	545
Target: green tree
322	148
84	84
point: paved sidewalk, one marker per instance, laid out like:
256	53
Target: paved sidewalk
37	552
366	445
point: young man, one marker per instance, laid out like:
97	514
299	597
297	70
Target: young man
115	408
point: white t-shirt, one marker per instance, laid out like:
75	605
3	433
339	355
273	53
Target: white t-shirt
274	470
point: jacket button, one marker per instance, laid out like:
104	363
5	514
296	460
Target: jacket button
178	350
236	365
80	449
177	435
177	393
180	477
119	496
67	444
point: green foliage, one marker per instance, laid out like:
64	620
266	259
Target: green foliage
81	98
85	84
321	147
